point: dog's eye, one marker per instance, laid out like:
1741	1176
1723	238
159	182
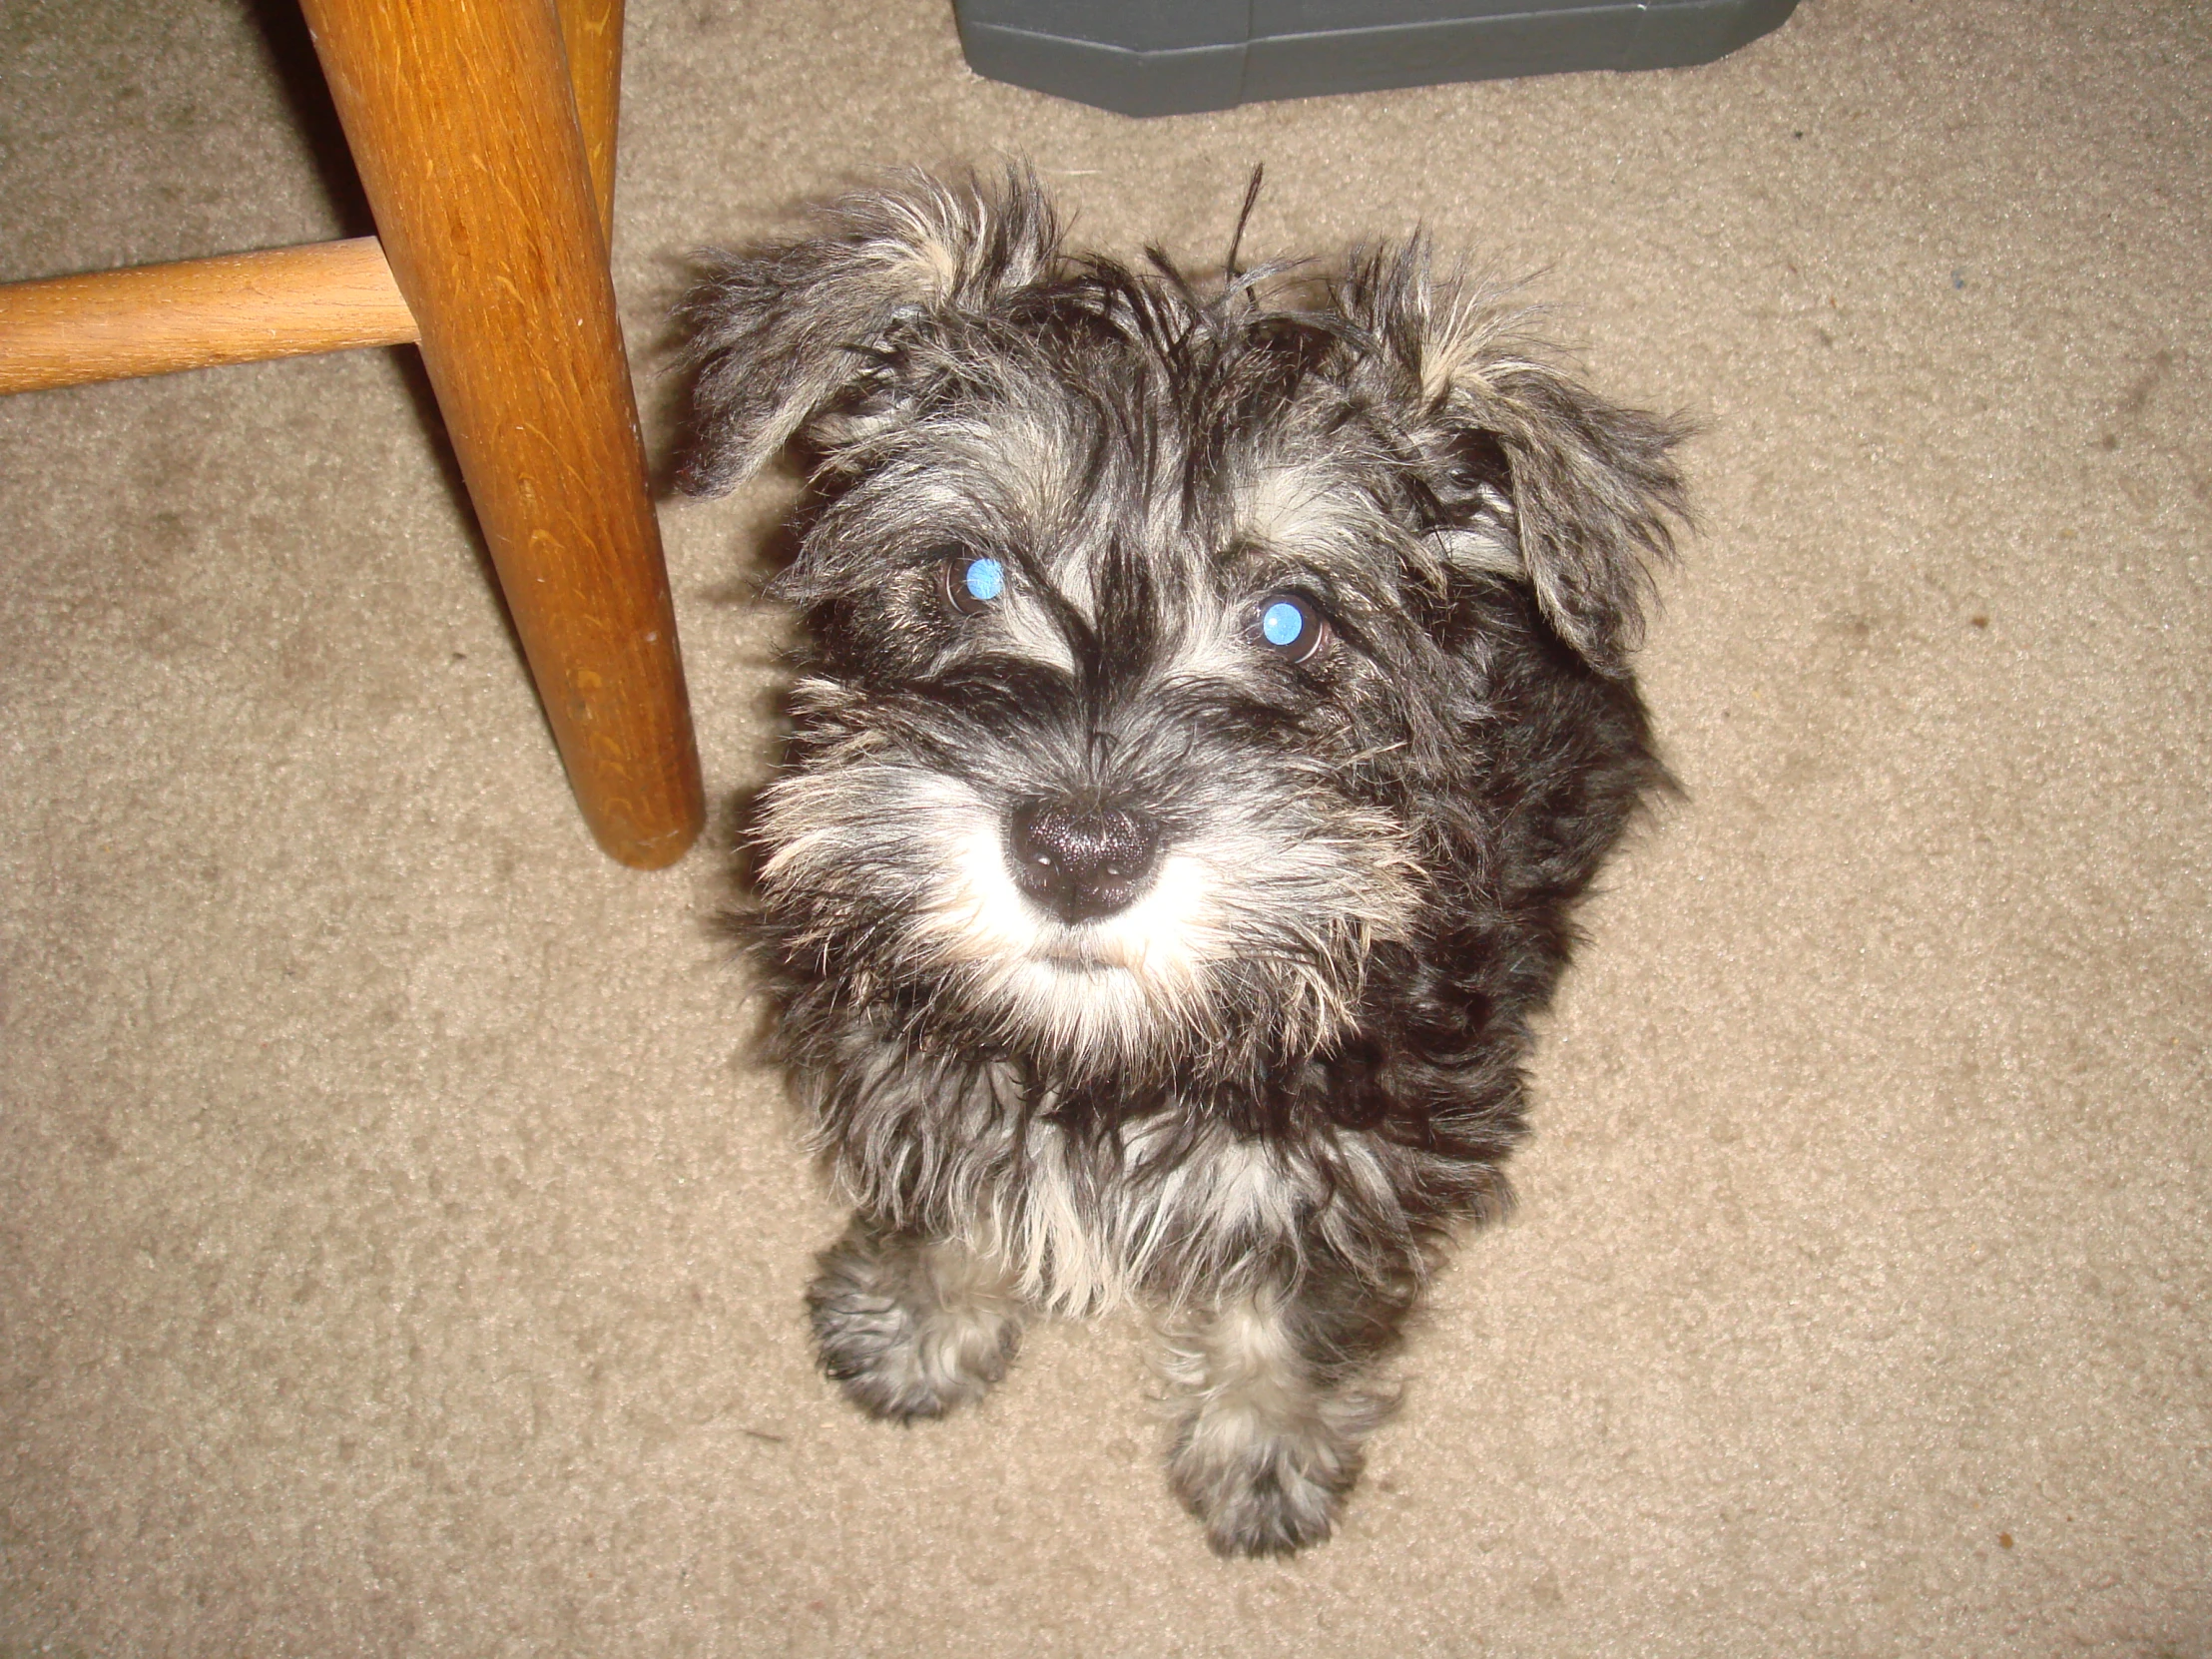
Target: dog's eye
972	582
1292	626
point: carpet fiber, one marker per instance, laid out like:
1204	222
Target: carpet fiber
400	1248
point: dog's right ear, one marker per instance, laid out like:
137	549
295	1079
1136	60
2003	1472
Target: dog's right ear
1533	476
817	338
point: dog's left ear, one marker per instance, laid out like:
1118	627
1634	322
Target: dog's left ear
823	338
1532	475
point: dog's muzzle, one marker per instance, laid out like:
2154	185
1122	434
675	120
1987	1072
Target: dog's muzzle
1081	862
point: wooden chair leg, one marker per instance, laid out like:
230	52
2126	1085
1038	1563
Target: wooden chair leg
592	32
463	124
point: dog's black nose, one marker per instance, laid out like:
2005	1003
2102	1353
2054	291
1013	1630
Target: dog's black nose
1081	861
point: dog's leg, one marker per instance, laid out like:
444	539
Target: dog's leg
1276	1401
910	1326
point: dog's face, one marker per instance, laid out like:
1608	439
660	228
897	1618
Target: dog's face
1146	642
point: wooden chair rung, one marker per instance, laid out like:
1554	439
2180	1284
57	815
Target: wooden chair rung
197	313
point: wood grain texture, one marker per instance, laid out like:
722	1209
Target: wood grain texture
240	307
591	30
462	121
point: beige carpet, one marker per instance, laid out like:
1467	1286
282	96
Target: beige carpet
399	1252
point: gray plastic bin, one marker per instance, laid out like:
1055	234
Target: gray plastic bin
1170	57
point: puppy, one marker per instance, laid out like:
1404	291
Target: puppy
1218	699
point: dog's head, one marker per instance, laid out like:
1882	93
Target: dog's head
1148	653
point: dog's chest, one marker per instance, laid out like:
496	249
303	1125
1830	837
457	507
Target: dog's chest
1171	1207
1084	1226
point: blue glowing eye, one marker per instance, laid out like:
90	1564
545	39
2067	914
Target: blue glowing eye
1293	625
985	580
1282	623
969	583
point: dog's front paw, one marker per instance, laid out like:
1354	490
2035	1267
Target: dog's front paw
1261	1489
909	1328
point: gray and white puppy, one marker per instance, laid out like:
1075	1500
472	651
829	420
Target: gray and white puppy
1218	699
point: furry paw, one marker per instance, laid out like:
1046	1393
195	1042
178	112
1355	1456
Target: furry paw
909	1328
1261	1489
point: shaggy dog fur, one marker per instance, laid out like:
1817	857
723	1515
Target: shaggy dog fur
1218	700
